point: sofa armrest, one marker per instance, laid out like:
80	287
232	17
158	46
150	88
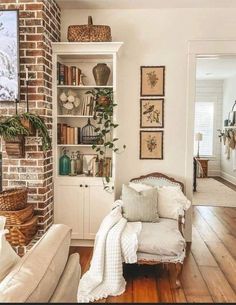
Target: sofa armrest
66	290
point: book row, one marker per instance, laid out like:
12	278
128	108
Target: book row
68	135
68	75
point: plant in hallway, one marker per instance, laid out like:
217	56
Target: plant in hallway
105	125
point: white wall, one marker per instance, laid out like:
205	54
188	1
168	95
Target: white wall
229	97
155	37
212	90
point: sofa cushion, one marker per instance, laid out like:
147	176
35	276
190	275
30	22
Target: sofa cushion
36	276
8	257
139	206
66	291
162	238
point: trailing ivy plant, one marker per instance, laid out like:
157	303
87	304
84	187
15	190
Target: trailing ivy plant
103	116
12	127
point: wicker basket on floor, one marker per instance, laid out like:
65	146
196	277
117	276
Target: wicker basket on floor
21	235
14	199
18	217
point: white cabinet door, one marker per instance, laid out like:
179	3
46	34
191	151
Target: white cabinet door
69	207
97	204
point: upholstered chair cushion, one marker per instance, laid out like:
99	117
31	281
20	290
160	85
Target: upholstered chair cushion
162	238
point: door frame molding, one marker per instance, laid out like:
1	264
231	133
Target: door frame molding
198	48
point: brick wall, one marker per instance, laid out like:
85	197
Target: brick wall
39	26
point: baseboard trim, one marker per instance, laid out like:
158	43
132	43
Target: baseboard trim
228	177
214	173
82	243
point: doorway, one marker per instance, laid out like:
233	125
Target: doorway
197	49
215	132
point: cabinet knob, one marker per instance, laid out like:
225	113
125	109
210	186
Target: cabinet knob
81	185
86	185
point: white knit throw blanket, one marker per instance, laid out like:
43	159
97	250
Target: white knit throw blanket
116	241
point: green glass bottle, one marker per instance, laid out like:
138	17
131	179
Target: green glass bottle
64	163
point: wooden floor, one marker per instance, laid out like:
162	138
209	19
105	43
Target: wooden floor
209	272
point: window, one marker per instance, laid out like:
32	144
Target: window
204	123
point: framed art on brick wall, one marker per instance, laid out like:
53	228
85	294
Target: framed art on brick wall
151	145
9	55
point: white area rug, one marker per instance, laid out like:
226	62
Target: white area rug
212	192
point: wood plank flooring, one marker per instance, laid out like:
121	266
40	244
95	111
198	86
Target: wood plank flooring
209	272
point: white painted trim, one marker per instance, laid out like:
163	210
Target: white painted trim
82	243
228	177
197	48
86	47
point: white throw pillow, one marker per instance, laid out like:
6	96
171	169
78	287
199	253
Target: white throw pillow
8	257
171	202
139	187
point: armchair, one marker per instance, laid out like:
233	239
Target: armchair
162	242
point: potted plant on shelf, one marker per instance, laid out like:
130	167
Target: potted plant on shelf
13	130
103	116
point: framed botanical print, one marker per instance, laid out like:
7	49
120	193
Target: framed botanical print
152	81
152	113
151	144
9	55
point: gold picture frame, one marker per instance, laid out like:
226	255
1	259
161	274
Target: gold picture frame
151	145
152	81
152	113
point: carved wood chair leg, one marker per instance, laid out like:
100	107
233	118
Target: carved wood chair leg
179	268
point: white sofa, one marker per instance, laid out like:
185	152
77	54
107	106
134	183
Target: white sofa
45	273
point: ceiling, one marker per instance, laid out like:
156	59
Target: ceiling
144	4
216	67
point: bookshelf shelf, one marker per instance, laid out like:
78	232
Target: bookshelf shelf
83	87
74	116
76	145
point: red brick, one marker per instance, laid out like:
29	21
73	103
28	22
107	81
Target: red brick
36	53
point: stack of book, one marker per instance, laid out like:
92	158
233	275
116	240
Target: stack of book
68	75
87	105
67	134
103	167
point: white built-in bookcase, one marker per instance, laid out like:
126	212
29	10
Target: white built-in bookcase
81	201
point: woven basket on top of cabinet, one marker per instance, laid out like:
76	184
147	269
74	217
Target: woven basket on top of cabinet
18	217
13	199
21	235
89	32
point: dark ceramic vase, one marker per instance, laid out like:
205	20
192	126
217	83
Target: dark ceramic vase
101	73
